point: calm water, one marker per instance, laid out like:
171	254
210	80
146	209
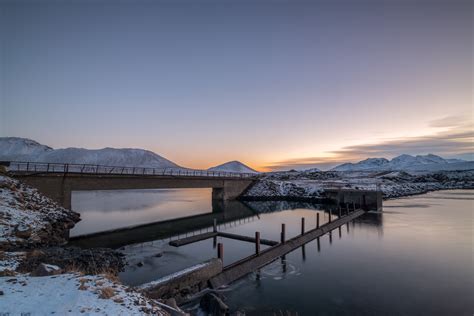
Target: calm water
105	210
414	259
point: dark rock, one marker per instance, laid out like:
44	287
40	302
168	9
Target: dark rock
23	232
1	292
160	254
213	304
46	269
140	264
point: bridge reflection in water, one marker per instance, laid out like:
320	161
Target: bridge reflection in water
227	213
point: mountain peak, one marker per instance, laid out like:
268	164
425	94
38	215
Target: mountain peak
233	166
17	148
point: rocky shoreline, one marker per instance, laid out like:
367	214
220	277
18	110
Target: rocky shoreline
33	250
310	186
29	220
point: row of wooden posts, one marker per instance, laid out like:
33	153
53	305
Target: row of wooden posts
220	246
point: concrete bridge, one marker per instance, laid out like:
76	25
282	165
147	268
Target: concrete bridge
57	181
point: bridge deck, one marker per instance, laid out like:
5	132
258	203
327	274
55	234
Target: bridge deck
19	167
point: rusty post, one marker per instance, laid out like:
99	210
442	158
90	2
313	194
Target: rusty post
257	243
282	236
220	251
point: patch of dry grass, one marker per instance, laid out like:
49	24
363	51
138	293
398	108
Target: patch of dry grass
106	292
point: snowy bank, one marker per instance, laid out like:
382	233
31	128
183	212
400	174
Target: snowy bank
28	219
311	185
72	294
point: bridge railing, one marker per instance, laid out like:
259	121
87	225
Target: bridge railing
21	166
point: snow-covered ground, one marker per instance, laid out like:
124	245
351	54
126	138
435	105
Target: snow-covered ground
392	183
29	219
72	294
233	166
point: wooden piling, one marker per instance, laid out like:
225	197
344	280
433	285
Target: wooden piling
330	213
282	236
220	251
302	225
257	243
354	206
241	268
215	225
317	220
319	245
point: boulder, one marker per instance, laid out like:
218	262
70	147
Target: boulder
23	232
44	269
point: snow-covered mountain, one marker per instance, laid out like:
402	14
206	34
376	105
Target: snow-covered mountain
15	148
428	162
312	170
233	166
367	164
22	149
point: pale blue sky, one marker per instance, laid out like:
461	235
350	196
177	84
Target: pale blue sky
270	83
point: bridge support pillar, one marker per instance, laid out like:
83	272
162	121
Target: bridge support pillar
230	190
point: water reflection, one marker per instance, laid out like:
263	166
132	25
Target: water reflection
112	209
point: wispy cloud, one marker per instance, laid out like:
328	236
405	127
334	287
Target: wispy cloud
456	140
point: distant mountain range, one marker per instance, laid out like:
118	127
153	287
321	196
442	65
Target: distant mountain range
428	162
23	149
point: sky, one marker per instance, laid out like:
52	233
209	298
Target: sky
274	84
